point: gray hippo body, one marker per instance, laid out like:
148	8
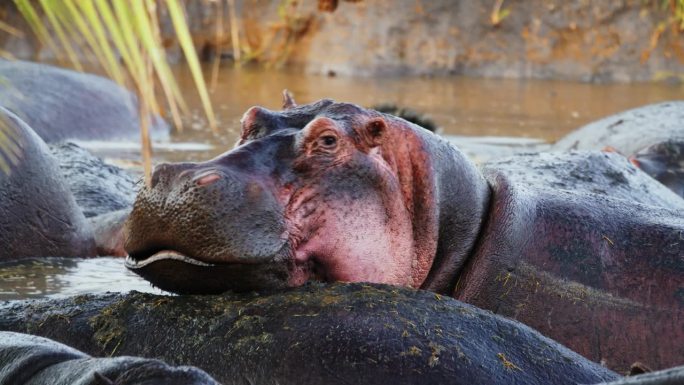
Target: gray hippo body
31	360
40	217
61	104
99	188
60	201
317	334
55	104
652	137
587	249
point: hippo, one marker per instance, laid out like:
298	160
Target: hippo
40	216
59	200
664	161
61	104
99	188
652	137
31	360
582	246
314	334
672	376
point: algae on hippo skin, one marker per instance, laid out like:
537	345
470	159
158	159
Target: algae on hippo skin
108	329
319	333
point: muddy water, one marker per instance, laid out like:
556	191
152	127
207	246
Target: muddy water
60	277
541	111
544	110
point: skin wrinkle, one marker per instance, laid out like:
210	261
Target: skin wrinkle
310	134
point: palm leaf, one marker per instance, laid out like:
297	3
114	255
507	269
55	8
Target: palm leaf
183	34
127	29
93	20
51	11
31	16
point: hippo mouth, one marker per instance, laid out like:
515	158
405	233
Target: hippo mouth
133	263
179	273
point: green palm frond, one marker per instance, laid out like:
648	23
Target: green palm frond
127	29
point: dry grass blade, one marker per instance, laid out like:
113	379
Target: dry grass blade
50	10
217	44
83	29
109	61
110	26
183	34
10	146
125	29
146	36
31	16
234	33
145	127
11	30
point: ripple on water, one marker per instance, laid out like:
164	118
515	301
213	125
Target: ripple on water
63	277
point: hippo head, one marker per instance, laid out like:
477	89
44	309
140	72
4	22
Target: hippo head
326	191
664	162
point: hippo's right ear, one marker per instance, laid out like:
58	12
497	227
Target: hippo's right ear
374	131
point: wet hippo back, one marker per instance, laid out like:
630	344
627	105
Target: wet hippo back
321	334
61	104
98	187
586	249
651	136
38	214
629	131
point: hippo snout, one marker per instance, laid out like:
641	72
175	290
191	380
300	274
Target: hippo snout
198	219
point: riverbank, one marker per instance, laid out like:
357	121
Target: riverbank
600	42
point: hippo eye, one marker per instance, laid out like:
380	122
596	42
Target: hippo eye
328	141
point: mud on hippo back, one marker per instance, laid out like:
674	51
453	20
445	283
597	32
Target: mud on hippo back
582	246
652	137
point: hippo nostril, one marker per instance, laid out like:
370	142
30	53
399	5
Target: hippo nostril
206	179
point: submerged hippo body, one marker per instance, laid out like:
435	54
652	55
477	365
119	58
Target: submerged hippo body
59	200
38	214
60	104
651	136
317	334
331	191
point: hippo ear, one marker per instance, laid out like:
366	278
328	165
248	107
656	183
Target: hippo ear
375	131
288	100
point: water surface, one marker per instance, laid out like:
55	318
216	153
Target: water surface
539	109
62	277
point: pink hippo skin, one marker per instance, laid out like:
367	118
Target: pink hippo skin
583	246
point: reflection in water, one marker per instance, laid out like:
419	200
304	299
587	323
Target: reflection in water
61	277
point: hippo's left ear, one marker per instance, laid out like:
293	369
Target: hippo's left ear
375	131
